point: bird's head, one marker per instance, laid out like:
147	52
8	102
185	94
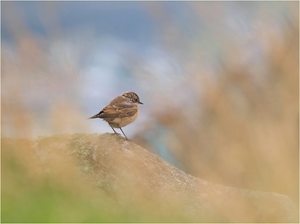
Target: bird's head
132	96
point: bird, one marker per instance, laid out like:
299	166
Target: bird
121	111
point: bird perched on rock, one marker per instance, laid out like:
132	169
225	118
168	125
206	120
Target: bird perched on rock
121	111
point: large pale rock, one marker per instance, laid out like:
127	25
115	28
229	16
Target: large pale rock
135	177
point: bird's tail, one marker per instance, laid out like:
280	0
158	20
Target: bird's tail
95	116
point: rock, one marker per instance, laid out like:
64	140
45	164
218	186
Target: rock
147	188
135	176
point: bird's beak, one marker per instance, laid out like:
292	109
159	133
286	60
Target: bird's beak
140	102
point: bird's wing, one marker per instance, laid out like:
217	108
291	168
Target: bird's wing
119	107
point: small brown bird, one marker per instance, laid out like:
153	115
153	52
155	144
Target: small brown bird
121	111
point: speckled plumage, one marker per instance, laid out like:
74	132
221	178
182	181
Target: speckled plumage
121	111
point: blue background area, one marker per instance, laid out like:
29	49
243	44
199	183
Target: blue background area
111	43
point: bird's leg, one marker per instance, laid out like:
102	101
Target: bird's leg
113	129
123	133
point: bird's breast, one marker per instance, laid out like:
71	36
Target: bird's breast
121	122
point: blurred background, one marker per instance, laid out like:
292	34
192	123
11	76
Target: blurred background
219	81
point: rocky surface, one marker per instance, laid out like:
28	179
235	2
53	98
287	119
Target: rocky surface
133	176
